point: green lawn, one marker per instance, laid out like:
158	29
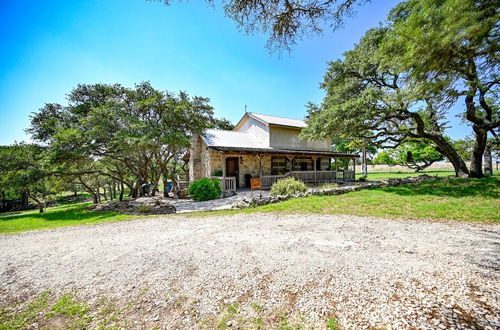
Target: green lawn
59	216
377	175
444	199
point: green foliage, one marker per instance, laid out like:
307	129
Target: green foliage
222	123
464	147
384	157
449	48
332	324
417	156
87	143
362	178
24	170
205	189
288	186
400	81
218	173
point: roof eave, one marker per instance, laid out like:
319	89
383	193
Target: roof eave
282	151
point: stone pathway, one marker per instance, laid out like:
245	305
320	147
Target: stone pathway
189	205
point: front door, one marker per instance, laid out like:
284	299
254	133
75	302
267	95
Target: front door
233	169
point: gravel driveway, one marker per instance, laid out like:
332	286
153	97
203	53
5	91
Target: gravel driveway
183	272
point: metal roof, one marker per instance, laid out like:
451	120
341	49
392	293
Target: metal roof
284	151
235	139
275	120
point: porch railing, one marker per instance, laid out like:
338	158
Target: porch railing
229	184
310	177
269	180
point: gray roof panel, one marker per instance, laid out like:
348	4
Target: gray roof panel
281	121
223	138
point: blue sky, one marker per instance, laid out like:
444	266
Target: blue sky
47	47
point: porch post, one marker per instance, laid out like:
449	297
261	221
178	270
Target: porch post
315	158
223	175
354	168
260	174
336	169
290	159
364	168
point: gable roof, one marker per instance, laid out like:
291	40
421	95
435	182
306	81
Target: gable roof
235	139
275	120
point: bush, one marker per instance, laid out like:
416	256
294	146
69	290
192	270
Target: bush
143	208
288	186
218	173
362	178
205	189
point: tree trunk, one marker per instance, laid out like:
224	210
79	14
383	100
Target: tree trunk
476	163
122	190
137	188
488	161
447	149
25	199
40	204
155	186
91	191
165	183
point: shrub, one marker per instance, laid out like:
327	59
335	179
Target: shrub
143	208
362	178
218	173
288	186
205	189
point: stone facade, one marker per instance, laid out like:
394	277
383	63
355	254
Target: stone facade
199	160
205	162
252	133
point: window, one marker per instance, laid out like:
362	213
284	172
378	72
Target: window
279	165
325	164
303	164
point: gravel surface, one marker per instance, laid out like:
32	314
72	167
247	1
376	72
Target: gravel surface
183	272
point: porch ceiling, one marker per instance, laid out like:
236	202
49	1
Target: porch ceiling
234	150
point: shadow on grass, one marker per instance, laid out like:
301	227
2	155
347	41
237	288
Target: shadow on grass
452	187
69	213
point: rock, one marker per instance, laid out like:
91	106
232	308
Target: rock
138	206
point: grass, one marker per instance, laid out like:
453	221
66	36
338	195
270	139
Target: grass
64	311
447	198
12	318
59	216
443	199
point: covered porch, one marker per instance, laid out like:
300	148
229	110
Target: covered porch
271	165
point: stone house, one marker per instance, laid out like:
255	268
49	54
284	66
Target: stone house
265	147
